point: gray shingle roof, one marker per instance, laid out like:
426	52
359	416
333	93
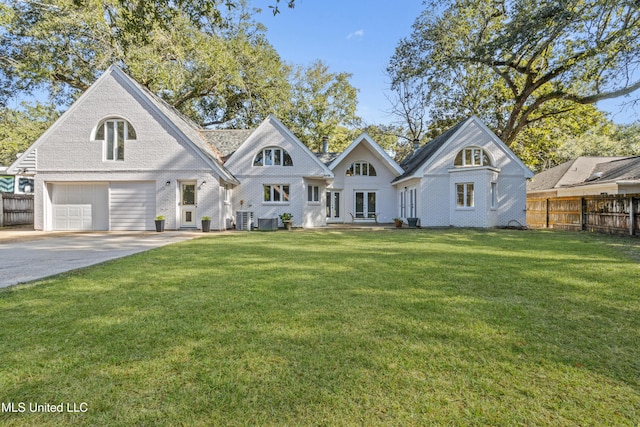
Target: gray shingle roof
548	179
617	170
226	141
327	158
412	163
573	172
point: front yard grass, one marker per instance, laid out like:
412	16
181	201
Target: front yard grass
394	327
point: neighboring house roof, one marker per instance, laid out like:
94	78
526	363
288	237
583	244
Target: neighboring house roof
549	179
377	151
431	149
226	141
571	173
626	169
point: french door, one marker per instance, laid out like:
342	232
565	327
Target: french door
365	204
409	203
333	206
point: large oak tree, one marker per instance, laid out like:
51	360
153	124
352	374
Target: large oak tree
517	63
209	59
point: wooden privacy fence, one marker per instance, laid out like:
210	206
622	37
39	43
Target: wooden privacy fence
16	209
615	213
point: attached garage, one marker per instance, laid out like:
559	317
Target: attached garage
79	206
132	205
72	217
102	206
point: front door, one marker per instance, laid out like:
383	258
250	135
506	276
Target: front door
188	204
333	206
365	204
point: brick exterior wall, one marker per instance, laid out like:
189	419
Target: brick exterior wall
164	151
306	170
159	154
381	184
437	194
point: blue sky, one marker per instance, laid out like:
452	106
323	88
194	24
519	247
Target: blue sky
353	36
359	37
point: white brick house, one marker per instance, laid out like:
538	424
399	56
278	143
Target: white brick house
361	190
466	177
117	158
279	174
120	156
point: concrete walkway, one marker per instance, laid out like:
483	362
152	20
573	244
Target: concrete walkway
27	255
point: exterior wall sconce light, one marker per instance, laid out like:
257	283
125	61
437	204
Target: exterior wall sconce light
168	183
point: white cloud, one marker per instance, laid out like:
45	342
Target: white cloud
356	34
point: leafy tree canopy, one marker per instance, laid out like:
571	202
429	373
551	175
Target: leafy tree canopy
322	103
20	128
622	140
520	63
207	58
543	144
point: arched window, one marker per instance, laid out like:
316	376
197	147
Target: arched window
114	132
361	169
472	156
272	156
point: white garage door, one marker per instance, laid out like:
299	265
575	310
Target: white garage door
79	206
72	217
132	205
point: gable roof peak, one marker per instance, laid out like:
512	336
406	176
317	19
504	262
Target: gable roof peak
373	146
424	154
273	121
184	126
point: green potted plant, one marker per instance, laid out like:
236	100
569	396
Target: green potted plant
287	220
398	222
159	223
206	224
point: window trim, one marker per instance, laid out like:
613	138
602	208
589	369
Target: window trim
279	189
356	168
269	153
114	151
313	194
468	154
465	196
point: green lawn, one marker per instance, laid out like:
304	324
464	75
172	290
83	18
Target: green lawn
394	327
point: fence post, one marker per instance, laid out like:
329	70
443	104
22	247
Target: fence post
546	221
632	216
1	210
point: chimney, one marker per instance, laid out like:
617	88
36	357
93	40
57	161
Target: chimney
416	144
325	144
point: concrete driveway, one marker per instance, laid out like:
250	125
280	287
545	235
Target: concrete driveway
31	255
